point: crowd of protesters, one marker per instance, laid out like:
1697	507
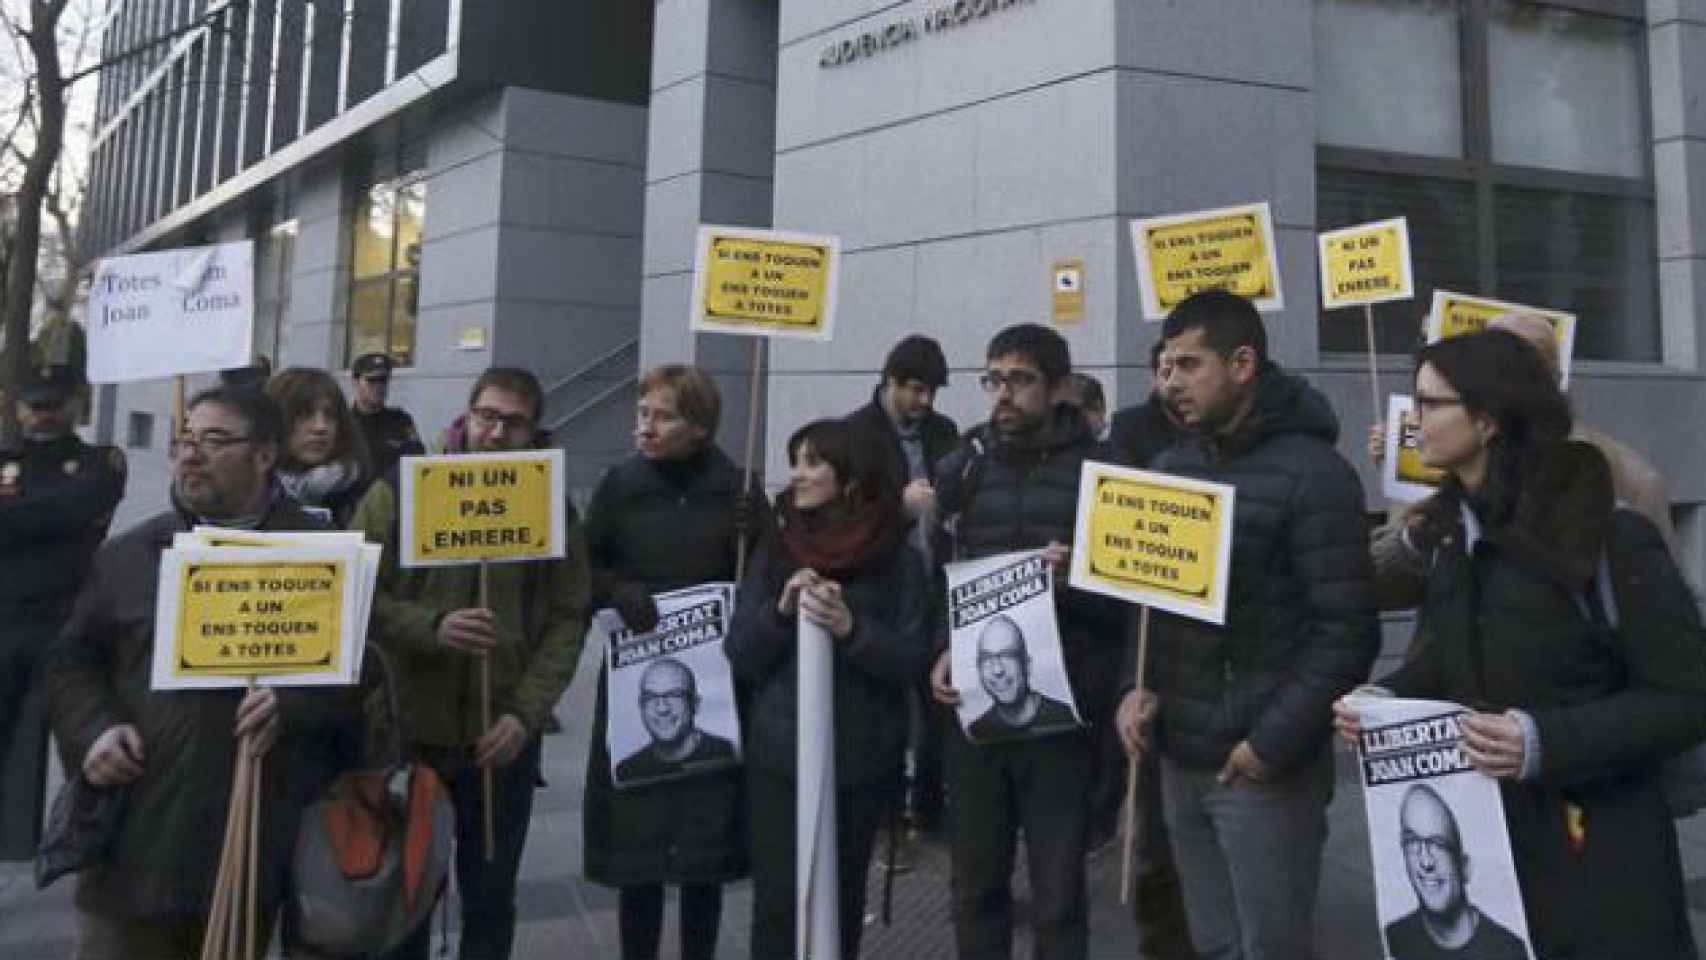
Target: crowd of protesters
1233	729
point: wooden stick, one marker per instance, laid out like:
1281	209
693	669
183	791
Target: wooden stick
254	844
177	405
219	918
751	446
1373	366
486	783
1128	818
234	877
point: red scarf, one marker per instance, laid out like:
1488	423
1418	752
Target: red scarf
837	541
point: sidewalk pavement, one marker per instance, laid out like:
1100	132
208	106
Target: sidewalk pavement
563	916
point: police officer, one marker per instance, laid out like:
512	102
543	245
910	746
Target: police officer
57	496
389	432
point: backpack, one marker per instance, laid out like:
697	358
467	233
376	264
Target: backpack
1683	776
372	854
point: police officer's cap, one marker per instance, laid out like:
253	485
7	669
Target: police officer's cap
50	385
372	363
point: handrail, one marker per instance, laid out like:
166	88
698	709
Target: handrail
595	400
593	364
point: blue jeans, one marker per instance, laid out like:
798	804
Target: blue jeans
487	890
1249	857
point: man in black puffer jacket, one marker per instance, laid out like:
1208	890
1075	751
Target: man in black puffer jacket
1014	486
1245	710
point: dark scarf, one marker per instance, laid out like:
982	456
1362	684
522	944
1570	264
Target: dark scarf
838	539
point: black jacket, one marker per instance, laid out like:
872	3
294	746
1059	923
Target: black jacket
1502	626
162	863
1005	497
1301	626
662	527
939	435
1141	433
875	666
56	500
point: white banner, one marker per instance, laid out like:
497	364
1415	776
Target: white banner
176	311
1005	647
817	890
1445	884
669	692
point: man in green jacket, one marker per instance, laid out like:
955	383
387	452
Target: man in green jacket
430	620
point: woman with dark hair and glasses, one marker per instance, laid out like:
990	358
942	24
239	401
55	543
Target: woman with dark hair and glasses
1561	622
323	464
840	560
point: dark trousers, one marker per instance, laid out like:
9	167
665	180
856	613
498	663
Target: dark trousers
924	736
1042	786
487	890
859	812
640	911
23	736
1159	905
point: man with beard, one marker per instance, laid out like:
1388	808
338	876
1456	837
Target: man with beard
1004	670
530	628
57	496
669	704
1444	925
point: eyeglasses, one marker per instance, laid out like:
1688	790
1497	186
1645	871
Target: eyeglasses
213	444
993	380
676	697
487	418
1438	848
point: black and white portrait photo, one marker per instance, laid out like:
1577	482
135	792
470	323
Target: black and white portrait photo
1006	656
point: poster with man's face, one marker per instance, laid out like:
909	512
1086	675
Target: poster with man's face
1445	883
669	693
1005	649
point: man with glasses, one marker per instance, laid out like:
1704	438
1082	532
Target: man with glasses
669	705
389	432
1016	709
530	629
1014	486
57	496
1444	924
174	751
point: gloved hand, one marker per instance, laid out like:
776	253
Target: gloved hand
634	603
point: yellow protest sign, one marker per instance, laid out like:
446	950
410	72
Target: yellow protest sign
481	507
284	616
1366	264
765	283
1231	248
1404	477
1455	314
1154	539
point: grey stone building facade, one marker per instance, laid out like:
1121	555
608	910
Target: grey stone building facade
1551	153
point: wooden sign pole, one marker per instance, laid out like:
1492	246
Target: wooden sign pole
1373	366
751	447
1128	825
177	405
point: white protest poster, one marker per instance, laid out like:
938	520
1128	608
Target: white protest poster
162	314
1005	649
670	694
1403	476
1445	883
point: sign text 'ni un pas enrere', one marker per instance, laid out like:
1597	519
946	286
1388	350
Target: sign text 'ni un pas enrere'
937	19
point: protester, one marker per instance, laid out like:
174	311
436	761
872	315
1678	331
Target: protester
175	752
1014	486
1399	571
1085	392
530	630
837	558
1573	717
902	420
57	496
324	464
389	433
1245	709
669	517
1139	434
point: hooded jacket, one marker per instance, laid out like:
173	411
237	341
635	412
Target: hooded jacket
1008	496
1301	627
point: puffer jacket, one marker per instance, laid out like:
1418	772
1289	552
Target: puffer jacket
1301	626
541	609
1006	497
162	864
663	527
1508	621
875	666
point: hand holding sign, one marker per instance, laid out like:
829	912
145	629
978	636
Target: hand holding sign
472	630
